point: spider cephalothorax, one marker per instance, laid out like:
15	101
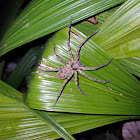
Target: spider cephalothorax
73	67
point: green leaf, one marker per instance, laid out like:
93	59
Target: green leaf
17	121
131	64
119	35
10	9
59	129
120	97
23	114
43	17
111	36
102	17
24	67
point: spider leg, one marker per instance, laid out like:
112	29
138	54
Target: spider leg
82	43
64	84
77	84
45	66
50	70
62	60
96	68
68	40
96	80
44	74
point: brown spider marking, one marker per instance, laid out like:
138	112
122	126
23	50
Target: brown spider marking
72	68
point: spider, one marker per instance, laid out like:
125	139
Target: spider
73	67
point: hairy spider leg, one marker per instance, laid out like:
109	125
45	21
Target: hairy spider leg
62	60
64	84
49	70
45	74
45	66
96	80
76	82
68	40
82	43
98	67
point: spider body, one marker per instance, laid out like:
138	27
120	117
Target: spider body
65	72
69	69
72	67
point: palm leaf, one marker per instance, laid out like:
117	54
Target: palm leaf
132	65
100	98
9	15
119	97
17	121
24	67
119	35
43	17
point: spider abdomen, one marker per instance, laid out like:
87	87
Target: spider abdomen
64	73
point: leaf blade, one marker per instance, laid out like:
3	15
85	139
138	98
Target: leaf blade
24	67
104	101
41	18
19	122
131	64
15	113
119	35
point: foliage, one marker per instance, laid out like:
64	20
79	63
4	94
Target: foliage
30	117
